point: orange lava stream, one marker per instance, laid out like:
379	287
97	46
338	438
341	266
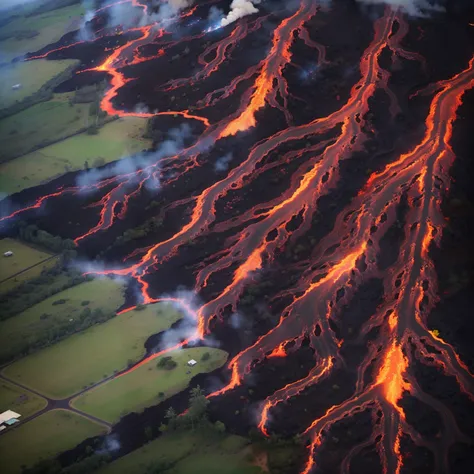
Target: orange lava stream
340	262
271	68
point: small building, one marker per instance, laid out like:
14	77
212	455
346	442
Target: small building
192	363
12	421
8	253
8	418
16	87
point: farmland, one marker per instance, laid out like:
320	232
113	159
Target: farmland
147	385
32	75
44	437
31	33
25	263
57	312
114	140
17	399
92	355
190	452
36	126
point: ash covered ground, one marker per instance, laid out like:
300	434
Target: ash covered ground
311	175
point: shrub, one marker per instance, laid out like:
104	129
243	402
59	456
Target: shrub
166	363
206	356
85	303
61	301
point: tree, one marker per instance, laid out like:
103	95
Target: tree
170	413
219	426
206	356
171	416
196	392
197	406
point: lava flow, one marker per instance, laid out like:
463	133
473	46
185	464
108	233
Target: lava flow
252	236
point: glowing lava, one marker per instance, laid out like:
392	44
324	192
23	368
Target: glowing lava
256	236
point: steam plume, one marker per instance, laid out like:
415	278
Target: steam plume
238	9
412	7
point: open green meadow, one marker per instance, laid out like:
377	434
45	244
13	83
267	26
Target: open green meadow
43	438
32	75
147	385
35	323
119	138
188	452
90	356
34	127
17	399
19	36
16	269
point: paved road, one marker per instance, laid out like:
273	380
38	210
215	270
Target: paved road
28	268
54	404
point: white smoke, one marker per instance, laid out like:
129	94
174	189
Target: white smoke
238	9
412	7
85	32
110	445
170	147
222	164
186	329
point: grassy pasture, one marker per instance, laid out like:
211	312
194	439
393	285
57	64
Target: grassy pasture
32	128
114	140
90	356
30	326
139	389
50	26
43	438
188	452
17	399
22	259
32	75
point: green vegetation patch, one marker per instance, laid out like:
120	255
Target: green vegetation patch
19	400
115	140
43	438
45	320
40	125
148	385
92	355
25	263
31	75
188	452
31	33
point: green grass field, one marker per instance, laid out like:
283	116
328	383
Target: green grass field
114	140
17	399
32	75
51	26
31	128
139	389
43	438
189	452
85	358
29	326
23	257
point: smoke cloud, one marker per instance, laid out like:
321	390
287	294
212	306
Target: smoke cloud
222	164
412	7
172	146
239	9
85	32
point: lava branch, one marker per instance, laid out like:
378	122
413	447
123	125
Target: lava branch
409	289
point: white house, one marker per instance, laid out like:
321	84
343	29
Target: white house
16	87
8	418
192	363
8	253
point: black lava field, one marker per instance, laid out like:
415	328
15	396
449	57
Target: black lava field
311	169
